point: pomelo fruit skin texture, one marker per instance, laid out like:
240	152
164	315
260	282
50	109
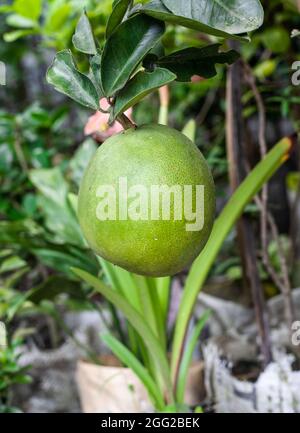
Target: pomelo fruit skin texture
149	155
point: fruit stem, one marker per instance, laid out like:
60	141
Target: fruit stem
125	121
164	97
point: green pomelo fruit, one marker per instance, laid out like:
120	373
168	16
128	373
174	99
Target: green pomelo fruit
152	155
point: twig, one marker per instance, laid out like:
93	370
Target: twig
294	230
19	151
284	283
237	171
265	216
125	122
209	100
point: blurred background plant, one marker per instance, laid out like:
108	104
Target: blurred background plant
43	153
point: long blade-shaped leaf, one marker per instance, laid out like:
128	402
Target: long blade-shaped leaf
134	364
126	48
187	357
225	222
137	321
163	286
124	283
231	16
65	77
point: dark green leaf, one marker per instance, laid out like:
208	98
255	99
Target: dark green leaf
125	49
65	77
54	286
83	39
156	9
141	85
95	74
231	16
61	259
117	15
196	61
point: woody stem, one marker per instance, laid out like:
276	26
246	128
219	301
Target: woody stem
125	121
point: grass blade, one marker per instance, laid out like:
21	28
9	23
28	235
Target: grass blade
138	322
187	357
224	223
163	287
134	364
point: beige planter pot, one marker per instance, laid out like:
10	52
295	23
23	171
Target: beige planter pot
113	389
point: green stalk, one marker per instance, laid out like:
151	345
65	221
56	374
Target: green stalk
163	287
187	357
224	223
164	105
140	324
151	310
124	283
134	364
158	311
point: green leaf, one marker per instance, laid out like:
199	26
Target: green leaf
187	357
122	281
3	336
156	9
16	304
134	364
57	15
137	321
231	16
83	39
61	259
163	287
119	10
151	307
65	77
59	217
222	227
81	159
51	183
196	61
11	264
190	130
19	21
95	74
140	86
125	49
53	286
5	9
31	9
276	39
17	34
